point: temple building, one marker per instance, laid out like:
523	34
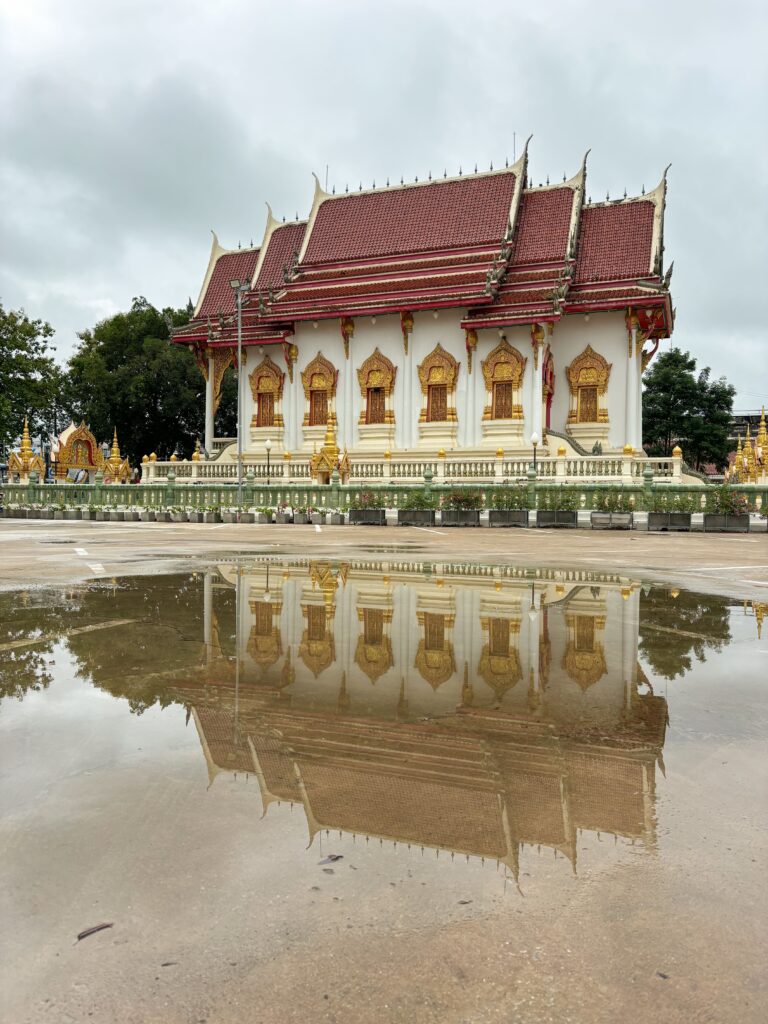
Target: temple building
470	316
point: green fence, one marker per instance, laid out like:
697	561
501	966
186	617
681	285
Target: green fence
534	493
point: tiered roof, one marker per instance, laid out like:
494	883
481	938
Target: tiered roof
485	243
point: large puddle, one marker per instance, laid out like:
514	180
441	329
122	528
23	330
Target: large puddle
382	790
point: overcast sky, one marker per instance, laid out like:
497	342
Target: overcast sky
130	129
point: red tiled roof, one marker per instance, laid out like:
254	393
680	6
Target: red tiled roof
285	240
230	266
615	241
422	218
542	234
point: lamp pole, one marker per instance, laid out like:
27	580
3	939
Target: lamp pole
534	441
268	446
239	288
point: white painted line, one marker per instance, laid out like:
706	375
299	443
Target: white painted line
81	552
426	529
97	567
726	568
317	529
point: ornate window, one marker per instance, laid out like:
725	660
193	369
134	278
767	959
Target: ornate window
266	382
499	663
434	657
503	372
374	648
588	377
377	383
319	380
584	659
437	376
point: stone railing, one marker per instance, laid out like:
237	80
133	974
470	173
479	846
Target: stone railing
405	469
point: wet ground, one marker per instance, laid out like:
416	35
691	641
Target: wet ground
384	787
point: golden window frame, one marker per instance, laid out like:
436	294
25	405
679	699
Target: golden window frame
504	365
267	379
591	370
320	375
439	367
377	372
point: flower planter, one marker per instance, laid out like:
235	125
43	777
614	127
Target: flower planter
162	517
283	517
300	518
115	516
460	517
211	517
508	517
147	516
368	517
415	517
131	516
336	519
247	517
229	517
45	513
73	514
195	517
58	513
317	518
611	520
87	515
557	518
663	522
716	523
263	519
178	517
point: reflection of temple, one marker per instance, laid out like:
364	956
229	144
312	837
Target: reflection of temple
470	710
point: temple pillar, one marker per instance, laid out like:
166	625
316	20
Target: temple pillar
209	412
208	615
537	343
631	394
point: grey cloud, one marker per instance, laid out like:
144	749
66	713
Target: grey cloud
130	129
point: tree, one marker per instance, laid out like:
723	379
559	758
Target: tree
127	375
675	631
29	376
682	408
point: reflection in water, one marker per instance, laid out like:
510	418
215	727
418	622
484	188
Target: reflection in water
469	709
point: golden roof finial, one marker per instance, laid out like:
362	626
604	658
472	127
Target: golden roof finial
26	440
115	453
196	452
330	433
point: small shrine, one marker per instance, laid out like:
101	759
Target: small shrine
77	455
750	465
117	470
26	460
323	463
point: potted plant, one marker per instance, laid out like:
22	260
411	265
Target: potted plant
367	510
147	515
612	511
178	514
229	515
162	515
211	515
417	508
509	507
248	516
101	514
131	515
73	514
335	517
317	516
557	507
727	511
301	515
264	514
671	513
284	514
58	511
462	507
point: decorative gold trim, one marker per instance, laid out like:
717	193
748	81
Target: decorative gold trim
406	326
504	365
268	379
347	331
589	369
223	358
320	375
291	354
439	367
377	372
470	340
68	457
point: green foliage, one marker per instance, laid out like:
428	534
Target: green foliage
558	499
674	631
467	499
419	498
509	498
126	374
725	501
681	407
30	378
613	499
664	501
367	499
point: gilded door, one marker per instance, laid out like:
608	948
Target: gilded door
587	405
318	408
437	403
375	406
266	413
502	400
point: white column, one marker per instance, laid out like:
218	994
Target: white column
209	408
349	420
208	614
638	442
409	429
631	390
537	342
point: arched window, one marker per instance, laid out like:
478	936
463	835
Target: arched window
503	373
377	382
588	382
266	382
319	381
437	376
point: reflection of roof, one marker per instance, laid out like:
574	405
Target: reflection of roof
482	783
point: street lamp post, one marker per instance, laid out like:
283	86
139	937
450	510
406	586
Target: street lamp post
268	446
239	289
534	441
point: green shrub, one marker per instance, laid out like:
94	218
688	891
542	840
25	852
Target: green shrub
367	499
725	501
558	499
419	498
510	498
464	499
612	499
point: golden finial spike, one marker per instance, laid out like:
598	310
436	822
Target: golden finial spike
26	440
115	453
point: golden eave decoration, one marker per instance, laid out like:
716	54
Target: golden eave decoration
504	363
116	468
439	367
25	461
589	369
319	375
377	372
267	378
